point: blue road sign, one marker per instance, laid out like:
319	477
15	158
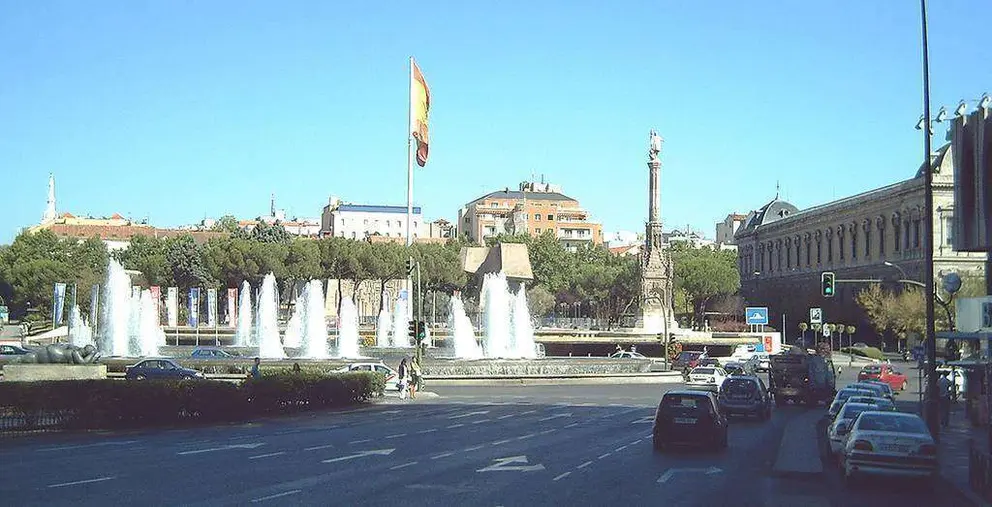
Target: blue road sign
756	315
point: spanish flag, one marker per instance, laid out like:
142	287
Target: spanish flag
420	105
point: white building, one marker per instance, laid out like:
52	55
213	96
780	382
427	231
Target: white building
726	229
359	221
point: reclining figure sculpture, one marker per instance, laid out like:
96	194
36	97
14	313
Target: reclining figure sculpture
61	354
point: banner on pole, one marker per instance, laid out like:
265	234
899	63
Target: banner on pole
58	302
232	307
172	306
211	307
94	307
194	307
157	300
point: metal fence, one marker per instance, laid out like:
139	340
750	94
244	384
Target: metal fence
11	421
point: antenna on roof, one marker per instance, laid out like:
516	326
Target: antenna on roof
776	189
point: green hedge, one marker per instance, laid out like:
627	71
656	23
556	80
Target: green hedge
105	404
871	352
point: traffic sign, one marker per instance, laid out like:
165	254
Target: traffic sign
756	315
816	316
826	330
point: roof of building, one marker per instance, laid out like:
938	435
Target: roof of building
516	194
935	160
774	211
372	208
125	232
625	249
511	259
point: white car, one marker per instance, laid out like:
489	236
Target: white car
840	428
889	443
709	378
764	363
392	380
623	354
841	398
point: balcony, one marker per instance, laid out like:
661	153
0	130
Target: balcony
575	234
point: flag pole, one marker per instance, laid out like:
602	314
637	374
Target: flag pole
409	181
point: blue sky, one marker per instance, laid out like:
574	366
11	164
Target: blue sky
177	110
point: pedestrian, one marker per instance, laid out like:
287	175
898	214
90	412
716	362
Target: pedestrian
401	373
619	348
633	349
256	374
414	378
944	387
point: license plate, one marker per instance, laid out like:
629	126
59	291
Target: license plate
894	448
685	420
738	396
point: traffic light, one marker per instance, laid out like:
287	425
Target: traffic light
412	327
827	284
421	331
409	267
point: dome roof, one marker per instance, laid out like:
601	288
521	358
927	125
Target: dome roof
936	160
773	211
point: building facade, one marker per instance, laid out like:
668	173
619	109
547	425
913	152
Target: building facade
726	229
534	209
878	234
360	221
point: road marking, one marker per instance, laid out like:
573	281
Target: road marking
269	455
277	495
556	416
507	416
69	447
545	432
480	421
432	430
528	412
473	448
571	425
318	447
616	404
618	449
665	477
501	442
224	448
469	414
504	464
453	426
525	437
87	481
562	476
379	452
635	442
410	464
443	455
605	455
398	435
362	441
390	412
644	420
587	463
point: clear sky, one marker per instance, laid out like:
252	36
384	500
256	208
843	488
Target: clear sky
180	110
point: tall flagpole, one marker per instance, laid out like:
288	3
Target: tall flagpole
409	183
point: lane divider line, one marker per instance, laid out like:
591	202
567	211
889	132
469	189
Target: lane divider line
480	421
572	425
501	442
443	455
277	495
473	448
587	463
562	476
269	455
362	441
87	481
525	437
618	449
410	464
453	426
507	416
398	435
432	430
319	447
605	455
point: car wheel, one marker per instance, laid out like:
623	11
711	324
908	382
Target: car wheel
903	386
658	444
850	479
139	377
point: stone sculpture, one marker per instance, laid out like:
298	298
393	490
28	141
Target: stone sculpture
61	354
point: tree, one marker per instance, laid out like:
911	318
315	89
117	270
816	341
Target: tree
704	273
383	262
540	301
226	223
265	233
303	260
185	259
147	255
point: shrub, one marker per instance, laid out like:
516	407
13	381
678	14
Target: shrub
871	352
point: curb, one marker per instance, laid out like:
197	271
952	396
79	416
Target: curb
534	380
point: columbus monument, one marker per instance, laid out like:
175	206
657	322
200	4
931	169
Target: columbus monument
657	312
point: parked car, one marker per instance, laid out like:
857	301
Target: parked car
734	368
886	388
879	390
745	395
392	378
686	359
889	443
841	426
624	354
709	361
764	362
210	353
709	378
882	404
860	345
159	369
689	418
841	397
884	373
12	350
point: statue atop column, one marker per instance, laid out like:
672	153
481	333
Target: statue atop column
657	312
654	146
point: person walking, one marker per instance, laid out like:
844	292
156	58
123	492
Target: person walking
402	373
944	387
256	374
414	378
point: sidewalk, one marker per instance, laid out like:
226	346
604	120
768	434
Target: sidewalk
955	442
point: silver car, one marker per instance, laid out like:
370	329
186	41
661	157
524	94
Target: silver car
889	443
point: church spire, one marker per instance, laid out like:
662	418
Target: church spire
50	212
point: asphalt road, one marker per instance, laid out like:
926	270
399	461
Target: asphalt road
539	445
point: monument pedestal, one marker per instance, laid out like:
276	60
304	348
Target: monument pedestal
37	372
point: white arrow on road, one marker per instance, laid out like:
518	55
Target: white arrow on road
644	420
224	448
470	414
665	477
380	452
567	414
503	464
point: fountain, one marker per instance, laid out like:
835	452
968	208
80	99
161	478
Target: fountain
80	333
266	322
312	323
399	337
243	336
293	336
116	311
149	336
523	330
348	330
465	344
382	324
495	303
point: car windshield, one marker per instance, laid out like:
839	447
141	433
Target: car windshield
703	371
688	356
893	423
738	386
853	410
871	369
844	394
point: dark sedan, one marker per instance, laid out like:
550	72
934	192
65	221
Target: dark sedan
160	369
745	395
689	418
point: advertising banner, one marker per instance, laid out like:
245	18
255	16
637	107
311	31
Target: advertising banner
232	307
172	306
157	299
211	307
94	307
194	307
58	303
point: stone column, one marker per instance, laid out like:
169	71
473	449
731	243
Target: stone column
653	191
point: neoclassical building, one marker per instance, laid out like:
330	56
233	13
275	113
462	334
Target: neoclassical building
782	250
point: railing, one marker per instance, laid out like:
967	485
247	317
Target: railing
11	421
980	472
